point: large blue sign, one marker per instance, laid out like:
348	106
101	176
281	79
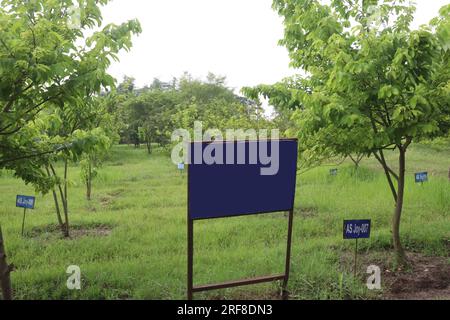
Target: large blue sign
357	229
233	183
421	177
26	202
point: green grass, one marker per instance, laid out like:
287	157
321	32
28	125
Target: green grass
142	200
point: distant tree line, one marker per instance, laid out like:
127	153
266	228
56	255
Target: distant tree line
149	115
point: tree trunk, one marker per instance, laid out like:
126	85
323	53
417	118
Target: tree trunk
5	271
58	211
149	147
356	160
387	172
65	228
88	190
89	181
66	207
399	252
55	198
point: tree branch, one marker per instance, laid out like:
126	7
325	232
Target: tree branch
387	172
29	156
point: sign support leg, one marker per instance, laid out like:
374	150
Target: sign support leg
190	262
285	293
23	221
356	257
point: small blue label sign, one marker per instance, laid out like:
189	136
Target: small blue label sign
181	166
421	177
26	202
357	229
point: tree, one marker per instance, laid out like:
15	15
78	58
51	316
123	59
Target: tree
115	104
371	83
77	128
203	92
92	157
215	105
46	62
220	114
151	113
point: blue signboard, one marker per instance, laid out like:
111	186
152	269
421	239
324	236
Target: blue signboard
238	184
181	166
26	202
357	229
421	177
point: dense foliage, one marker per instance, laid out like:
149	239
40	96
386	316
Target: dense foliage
370	82
151	114
50	73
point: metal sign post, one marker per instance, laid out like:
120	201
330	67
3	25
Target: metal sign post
23	220
355	268
354	230
231	182
25	202
181	167
191	289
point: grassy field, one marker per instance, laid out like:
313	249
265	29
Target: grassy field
130	240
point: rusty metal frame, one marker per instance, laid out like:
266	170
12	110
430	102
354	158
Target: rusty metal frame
191	289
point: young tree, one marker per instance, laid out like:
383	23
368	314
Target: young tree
76	128
115	104
151	113
92	158
372	84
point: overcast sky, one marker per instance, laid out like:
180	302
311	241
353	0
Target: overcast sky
234	38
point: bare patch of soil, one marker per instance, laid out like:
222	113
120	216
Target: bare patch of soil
427	278
99	231
109	197
106	201
76	231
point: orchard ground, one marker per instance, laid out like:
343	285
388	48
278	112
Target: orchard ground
130	239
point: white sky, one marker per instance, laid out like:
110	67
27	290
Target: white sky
234	38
